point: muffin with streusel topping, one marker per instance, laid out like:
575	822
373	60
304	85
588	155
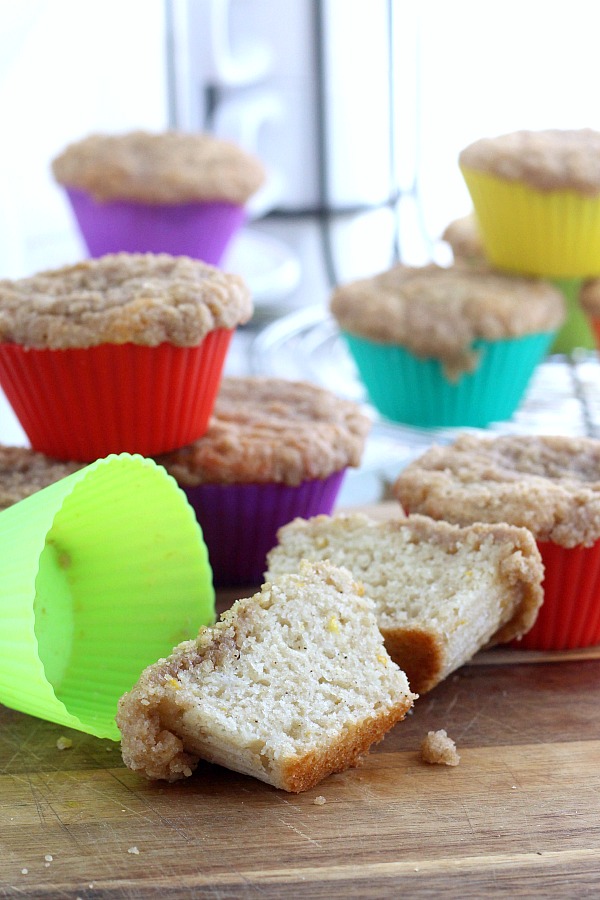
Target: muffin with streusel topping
537	199
447	347
274	450
177	192
549	484
120	354
24	472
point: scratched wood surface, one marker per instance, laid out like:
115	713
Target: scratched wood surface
520	815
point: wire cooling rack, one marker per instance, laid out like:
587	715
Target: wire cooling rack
563	396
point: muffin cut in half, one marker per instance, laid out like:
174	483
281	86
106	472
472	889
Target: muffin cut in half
549	484
291	685
441	592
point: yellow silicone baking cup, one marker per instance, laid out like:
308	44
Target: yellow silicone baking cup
549	234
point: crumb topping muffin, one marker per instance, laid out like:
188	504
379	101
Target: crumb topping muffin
167	167
23	472
438	312
272	430
464	239
549	484
547	160
122	298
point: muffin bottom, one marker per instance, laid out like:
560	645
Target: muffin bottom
202	230
240	521
550	234
570	614
80	404
415	391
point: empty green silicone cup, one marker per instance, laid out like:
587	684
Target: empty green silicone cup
101	574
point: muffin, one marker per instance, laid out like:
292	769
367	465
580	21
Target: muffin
291	685
441	592
548	484
274	450
462	236
466	244
172	192
122	353
537	199
447	347
24	472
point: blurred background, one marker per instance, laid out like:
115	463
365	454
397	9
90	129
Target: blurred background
358	109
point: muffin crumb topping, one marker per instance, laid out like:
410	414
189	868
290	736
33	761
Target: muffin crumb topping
139	298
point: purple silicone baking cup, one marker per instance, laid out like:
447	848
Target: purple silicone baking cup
200	230
240	521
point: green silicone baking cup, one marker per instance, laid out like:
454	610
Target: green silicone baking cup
576	330
415	391
101	574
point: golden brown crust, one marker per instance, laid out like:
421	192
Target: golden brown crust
547	160
140	298
23	472
167	167
549	484
272	430
487	577
260	691
437	312
309	770
419	653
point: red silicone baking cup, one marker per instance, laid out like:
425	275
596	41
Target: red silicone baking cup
240	521
85	403
570	614
595	325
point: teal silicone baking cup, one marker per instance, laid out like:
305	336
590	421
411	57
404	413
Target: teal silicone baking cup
101	574
415	391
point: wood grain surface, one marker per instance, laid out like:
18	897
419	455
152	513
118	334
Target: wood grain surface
519	817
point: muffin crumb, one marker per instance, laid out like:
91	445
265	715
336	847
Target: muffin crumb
320	800
439	749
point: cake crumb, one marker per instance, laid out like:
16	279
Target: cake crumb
133	850
64	743
320	800
438	748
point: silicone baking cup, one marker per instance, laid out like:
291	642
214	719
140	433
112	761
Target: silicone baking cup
552	234
200	230
240	521
101	574
82	404
570	614
415	391
576	330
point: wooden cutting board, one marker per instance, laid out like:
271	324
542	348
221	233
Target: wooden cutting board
520	815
